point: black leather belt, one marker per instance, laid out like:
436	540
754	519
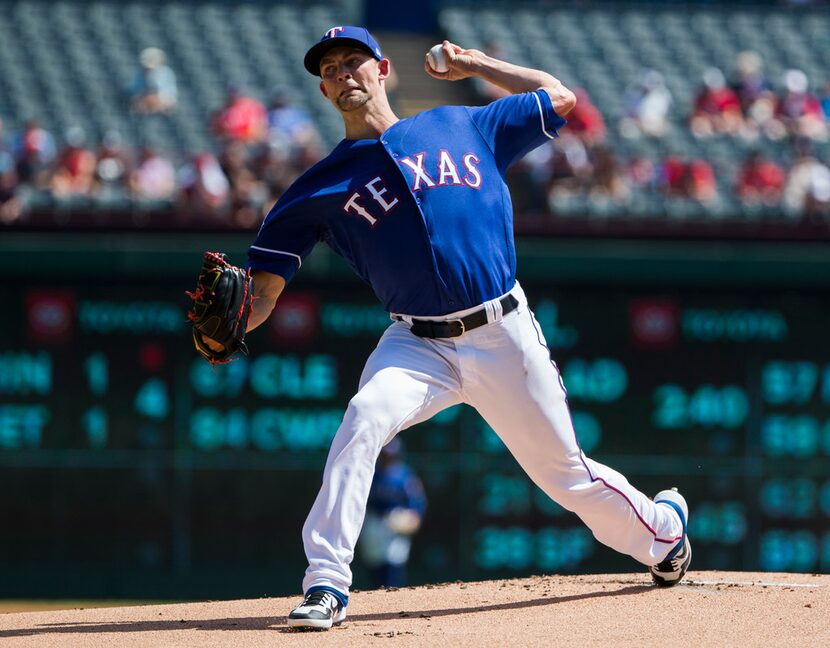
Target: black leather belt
455	327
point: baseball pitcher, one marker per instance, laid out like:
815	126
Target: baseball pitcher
420	210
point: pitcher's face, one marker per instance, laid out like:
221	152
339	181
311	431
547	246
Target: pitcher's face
351	77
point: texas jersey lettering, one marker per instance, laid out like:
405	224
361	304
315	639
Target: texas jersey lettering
446	172
448	177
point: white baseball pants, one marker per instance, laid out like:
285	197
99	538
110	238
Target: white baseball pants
502	369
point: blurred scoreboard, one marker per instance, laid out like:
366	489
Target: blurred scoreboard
122	452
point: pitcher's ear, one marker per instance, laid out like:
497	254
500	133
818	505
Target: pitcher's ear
385	68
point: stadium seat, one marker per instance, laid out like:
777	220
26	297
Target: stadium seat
74	63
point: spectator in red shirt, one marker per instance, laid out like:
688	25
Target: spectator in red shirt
74	174
585	120
693	179
717	108
701	181
242	119
759	180
672	176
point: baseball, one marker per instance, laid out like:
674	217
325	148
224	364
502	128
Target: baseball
437	59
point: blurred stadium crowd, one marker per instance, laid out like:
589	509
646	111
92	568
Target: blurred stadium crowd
259	151
583	170
662	128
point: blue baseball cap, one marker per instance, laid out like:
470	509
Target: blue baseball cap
338	37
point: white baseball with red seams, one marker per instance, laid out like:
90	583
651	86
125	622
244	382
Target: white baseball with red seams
437	59
503	369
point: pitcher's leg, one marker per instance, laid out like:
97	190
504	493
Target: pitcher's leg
406	380
520	395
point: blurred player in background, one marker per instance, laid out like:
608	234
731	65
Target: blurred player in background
394	512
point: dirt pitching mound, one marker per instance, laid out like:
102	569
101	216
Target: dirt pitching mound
708	609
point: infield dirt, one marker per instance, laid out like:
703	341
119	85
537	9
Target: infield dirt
707	609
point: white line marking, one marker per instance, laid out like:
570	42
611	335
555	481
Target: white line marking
751	583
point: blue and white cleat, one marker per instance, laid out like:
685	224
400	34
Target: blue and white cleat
674	566
319	611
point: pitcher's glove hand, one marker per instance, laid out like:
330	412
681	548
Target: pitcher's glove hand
221	306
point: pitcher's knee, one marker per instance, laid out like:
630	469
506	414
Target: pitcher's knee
368	424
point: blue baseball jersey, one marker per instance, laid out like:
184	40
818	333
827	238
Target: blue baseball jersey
422	214
396	486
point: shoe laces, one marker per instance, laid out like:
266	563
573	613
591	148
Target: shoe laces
317	598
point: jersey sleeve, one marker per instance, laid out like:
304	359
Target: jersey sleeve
515	125
285	239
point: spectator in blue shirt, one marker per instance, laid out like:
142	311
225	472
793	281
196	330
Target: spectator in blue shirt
825	102
154	88
290	128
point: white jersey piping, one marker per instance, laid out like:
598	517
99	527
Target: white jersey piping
542	115
296	256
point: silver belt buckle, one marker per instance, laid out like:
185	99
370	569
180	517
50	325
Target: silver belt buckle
463	328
